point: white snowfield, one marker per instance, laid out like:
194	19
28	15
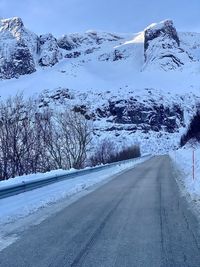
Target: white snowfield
183	159
21	205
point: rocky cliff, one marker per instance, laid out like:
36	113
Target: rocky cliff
149	117
162	47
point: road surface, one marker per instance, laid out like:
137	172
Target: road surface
137	219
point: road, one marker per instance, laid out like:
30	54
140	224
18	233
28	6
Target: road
137	219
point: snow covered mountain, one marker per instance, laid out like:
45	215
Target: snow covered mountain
163	48
17	49
140	87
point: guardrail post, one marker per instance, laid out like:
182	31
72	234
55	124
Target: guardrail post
193	164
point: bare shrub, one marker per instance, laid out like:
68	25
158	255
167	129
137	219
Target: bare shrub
103	153
128	153
76	137
106	152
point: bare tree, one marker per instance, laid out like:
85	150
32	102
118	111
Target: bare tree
75	131
15	132
36	139
66	136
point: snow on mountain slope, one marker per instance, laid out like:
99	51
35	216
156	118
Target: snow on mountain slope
140	87
104	61
162	47
190	41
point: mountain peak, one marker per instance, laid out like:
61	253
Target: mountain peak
11	23
161	24
162	47
164	28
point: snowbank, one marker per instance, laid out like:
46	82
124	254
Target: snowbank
183	160
32	177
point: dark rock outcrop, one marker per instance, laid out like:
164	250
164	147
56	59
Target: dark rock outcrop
165	30
193	131
74	54
162	47
129	113
20	62
117	54
49	50
91	38
17	49
142	116
68	42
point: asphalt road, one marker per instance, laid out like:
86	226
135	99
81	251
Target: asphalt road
137	219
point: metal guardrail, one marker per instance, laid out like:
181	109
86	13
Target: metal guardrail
11	190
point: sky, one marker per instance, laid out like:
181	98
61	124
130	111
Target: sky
66	16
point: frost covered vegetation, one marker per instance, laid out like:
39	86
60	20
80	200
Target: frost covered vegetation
39	139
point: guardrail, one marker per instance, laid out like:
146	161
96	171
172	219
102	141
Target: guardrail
11	190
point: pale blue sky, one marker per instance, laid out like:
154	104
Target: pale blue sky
65	16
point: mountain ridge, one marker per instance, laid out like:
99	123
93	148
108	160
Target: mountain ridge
132	93
160	42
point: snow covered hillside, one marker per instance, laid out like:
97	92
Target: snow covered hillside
140	87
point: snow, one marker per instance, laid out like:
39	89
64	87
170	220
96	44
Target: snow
159	25
21	205
13	29
94	79
190	41
183	163
93	83
102	76
32	177
87	72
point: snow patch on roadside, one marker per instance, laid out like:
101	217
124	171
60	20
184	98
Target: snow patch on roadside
183	165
